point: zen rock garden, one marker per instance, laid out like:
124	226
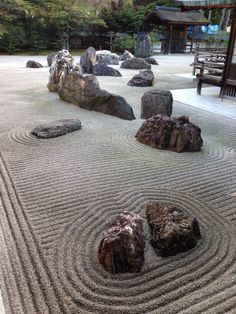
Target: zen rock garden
121	248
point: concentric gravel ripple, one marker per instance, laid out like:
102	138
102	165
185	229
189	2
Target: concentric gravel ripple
80	272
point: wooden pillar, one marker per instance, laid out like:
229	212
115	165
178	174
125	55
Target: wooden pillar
192	40
170	38
186	37
226	22
222	18
209	15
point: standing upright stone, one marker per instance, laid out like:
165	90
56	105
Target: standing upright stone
143	46
88	60
62	63
121	249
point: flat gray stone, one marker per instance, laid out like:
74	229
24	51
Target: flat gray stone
56	128
135	63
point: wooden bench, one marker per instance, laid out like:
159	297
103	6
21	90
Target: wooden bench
208	79
200	57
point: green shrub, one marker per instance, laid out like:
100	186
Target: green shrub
12	38
124	43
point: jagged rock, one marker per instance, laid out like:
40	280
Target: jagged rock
62	63
50	58
126	56
173	133
172	231
151	60
121	249
56	128
33	64
84	91
135	63
143	79
107	57
156	102
88	60
101	69
143	46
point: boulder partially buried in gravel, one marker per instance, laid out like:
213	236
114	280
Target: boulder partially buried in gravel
172	133
172	231
143	79
84	91
121	249
126	56
107	57
151	60
101	69
135	63
56	128
33	64
156	102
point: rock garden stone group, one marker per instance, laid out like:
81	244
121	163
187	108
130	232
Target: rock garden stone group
121	248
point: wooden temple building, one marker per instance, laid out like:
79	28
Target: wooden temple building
175	24
190	13
228	79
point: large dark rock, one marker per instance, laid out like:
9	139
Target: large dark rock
84	91
33	64
88	60
172	231
156	102
143	79
101	69
62	63
107	57
135	63
121	249
143	46
126	56
173	133
151	60
50	58
56	128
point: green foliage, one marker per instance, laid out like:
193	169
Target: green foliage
124	43
128	19
12	38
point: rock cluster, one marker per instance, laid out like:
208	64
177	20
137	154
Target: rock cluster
84	91
172	231
156	102
173	133
135	63
56	128
143	79
33	64
121	249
